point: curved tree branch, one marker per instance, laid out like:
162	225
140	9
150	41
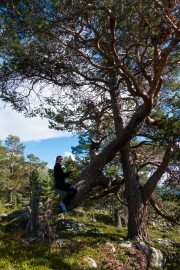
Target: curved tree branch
150	185
113	188
161	211
120	200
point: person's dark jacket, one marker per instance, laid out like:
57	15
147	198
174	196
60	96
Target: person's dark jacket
60	176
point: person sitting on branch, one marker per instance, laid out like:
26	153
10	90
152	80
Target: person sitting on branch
60	184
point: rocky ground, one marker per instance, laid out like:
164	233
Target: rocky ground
82	242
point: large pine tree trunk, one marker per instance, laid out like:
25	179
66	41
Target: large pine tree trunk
137	209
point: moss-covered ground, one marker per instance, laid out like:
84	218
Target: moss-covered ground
71	249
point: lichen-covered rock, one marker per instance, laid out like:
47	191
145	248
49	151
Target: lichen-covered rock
17	219
19	214
94	230
155	257
66	224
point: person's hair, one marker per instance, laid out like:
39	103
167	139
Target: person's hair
57	158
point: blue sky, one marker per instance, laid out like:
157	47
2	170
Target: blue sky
48	149
34	133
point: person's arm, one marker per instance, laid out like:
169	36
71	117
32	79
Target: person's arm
67	174
60	173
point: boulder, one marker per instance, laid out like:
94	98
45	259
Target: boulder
155	257
17	219
19	214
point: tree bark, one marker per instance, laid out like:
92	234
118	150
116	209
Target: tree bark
33	224
118	222
153	180
137	212
137	209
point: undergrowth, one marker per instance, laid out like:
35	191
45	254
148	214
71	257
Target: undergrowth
18	251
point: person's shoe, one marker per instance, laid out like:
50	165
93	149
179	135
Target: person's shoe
62	208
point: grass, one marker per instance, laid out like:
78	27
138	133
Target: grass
71	249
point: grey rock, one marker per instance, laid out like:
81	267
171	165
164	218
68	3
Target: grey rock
17	219
155	257
3	216
65	224
127	244
93	220
19	214
94	231
153	223
90	262
111	247
165	241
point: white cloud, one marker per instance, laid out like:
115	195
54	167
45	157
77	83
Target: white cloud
68	154
27	129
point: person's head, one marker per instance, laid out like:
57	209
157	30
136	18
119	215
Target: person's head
59	159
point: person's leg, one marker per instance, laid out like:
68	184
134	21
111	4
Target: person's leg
71	192
70	195
62	192
65	187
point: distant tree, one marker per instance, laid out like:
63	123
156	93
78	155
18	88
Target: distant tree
3	169
35	193
15	171
34	163
81	151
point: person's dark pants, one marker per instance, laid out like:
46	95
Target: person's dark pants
71	192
